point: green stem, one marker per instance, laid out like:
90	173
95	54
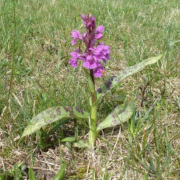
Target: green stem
92	126
93	117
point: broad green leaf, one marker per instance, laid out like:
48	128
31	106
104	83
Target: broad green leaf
31	174
80	144
114	80
61	173
119	98
118	116
68	139
51	115
78	113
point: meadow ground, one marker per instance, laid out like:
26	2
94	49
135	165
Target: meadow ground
34	74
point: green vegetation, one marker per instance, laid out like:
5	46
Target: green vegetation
35	75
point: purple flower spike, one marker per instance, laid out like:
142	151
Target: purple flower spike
76	35
95	54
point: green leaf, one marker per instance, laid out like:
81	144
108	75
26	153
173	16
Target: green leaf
31	174
51	115
78	113
119	98
114	80
2	177
68	139
80	144
118	116
68	145
61	173
93	174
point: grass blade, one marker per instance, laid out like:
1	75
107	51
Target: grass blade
61	173
31	174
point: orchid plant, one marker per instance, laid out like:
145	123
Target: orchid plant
94	56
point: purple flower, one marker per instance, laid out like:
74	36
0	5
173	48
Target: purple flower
101	52
88	21
75	56
83	18
105	51
73	62
76	35
99	31
90	63
99	71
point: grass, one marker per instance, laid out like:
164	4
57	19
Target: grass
34	72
